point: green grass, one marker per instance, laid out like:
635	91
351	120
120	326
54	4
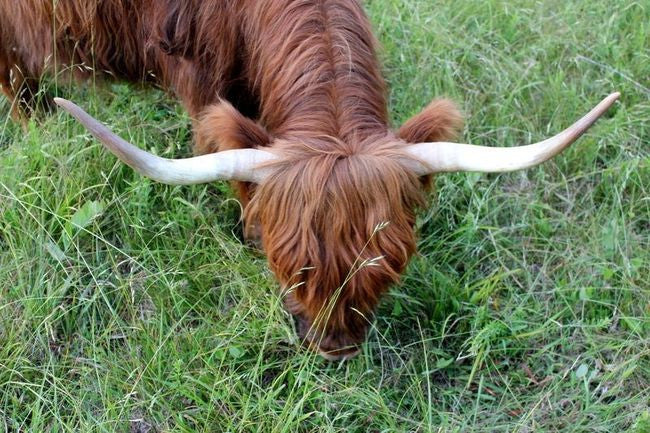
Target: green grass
133	307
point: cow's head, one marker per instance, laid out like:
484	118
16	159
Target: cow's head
337	227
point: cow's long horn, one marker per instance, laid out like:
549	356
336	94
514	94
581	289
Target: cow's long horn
228	165
449	157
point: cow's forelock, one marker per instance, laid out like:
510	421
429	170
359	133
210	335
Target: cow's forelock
337	223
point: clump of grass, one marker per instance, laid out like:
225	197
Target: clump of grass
131	306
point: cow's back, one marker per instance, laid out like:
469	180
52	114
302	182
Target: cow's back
189	47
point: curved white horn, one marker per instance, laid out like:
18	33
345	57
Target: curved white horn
228	165
429	158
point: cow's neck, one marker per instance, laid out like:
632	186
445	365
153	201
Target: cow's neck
316	70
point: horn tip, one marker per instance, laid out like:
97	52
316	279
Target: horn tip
610	100
63	103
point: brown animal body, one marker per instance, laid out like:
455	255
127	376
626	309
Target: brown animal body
297	77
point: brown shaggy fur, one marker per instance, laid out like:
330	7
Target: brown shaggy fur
300	77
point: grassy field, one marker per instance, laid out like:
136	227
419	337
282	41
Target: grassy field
130	306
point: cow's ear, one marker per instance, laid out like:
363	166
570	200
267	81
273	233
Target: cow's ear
222	127
439	121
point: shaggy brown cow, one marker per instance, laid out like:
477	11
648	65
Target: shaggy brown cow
291	90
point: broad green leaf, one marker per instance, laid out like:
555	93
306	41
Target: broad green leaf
81	219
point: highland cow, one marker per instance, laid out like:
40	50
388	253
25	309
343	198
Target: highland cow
287	99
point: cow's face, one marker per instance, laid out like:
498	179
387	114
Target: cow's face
337	229
335	219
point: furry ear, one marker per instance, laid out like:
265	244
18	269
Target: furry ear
439	121
222	127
